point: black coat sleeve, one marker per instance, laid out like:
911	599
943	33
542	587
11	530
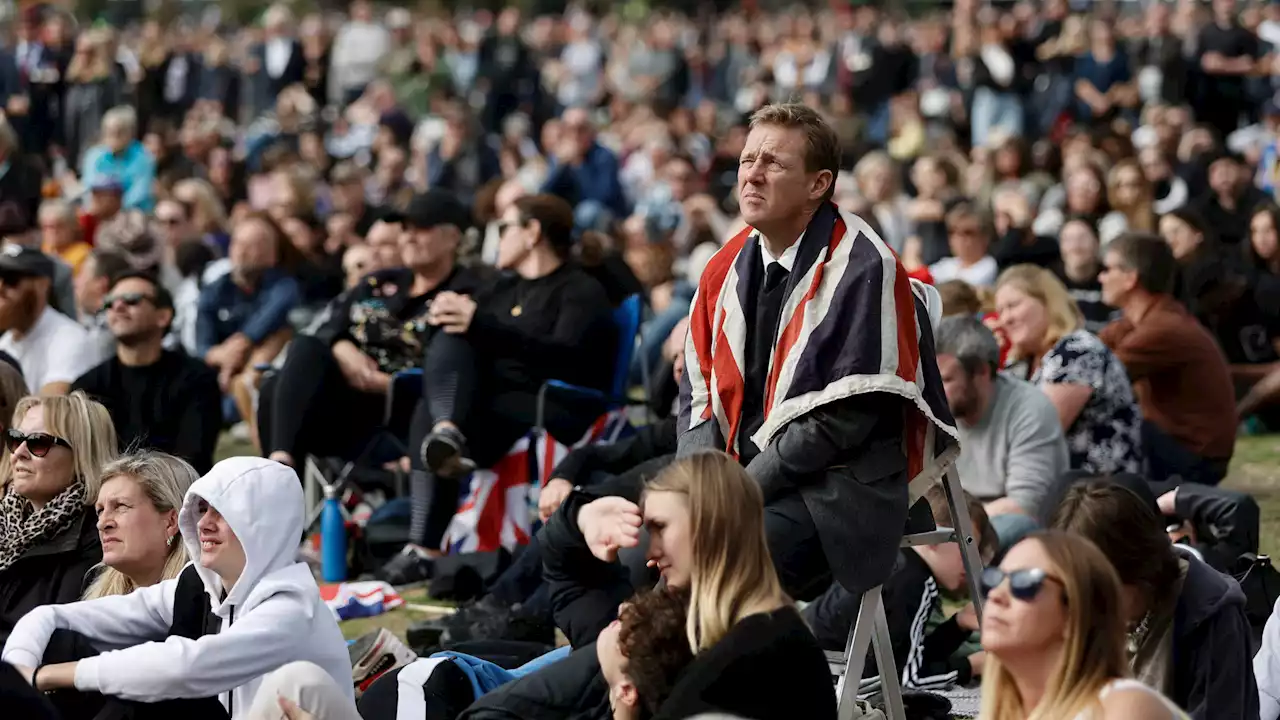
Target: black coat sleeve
648	442
1214	677
585	591
817	440
1225	521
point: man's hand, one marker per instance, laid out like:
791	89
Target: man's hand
967	618
452	312
1168	502
608	525
552	497
1213	62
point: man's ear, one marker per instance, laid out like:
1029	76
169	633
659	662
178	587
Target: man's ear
166	319
821	184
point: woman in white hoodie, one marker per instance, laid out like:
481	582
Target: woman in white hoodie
244	609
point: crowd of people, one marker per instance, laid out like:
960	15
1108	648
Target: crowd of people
1044	233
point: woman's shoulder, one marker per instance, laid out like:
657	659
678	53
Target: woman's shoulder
1077	343
1131	700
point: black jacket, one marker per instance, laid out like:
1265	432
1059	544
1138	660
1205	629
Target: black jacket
585	465
585	594
51	573
173	405
1212	648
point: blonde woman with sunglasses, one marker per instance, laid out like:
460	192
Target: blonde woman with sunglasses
1054	634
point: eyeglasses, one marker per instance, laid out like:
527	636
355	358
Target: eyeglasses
1024	584
38	444
130	299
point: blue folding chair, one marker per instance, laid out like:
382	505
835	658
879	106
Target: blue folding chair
626	318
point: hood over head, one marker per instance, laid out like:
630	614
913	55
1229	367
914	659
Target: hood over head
262	502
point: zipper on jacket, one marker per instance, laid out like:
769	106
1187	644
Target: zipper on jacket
231	695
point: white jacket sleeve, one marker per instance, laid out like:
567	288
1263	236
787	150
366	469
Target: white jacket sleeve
110	622
1266	668
183	668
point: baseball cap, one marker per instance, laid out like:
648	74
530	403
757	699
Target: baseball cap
22	261
106	183
436	207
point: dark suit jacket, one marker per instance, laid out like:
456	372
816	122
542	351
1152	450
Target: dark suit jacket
294	70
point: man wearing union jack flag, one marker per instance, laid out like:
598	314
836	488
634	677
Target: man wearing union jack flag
810	359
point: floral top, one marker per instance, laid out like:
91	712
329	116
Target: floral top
385	321
1106	436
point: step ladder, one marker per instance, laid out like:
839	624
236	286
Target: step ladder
871	628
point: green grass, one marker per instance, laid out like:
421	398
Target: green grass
1255	469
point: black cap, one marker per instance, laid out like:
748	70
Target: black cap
24	261
436	207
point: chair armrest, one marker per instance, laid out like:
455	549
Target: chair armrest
402	394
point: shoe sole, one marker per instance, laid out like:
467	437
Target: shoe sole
444	459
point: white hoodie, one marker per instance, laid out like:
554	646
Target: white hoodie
272	616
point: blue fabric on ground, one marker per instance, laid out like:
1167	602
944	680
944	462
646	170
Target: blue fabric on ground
486	676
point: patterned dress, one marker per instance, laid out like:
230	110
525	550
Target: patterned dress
1106	437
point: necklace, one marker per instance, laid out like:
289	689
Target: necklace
1139	634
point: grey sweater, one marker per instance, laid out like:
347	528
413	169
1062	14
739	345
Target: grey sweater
1017	450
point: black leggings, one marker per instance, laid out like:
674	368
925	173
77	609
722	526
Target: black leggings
308	406
457	387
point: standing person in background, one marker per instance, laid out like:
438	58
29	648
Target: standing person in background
1226	54
357	50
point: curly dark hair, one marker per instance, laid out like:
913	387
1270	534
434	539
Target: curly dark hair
653	638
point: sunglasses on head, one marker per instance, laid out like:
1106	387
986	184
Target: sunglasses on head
38	444
1024	584
130	299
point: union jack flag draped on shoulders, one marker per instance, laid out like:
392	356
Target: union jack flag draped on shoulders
852	322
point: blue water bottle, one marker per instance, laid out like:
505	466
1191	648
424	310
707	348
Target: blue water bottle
333	538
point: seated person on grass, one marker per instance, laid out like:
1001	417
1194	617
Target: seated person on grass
545	319
373	331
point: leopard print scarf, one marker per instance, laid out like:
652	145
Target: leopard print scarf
22	527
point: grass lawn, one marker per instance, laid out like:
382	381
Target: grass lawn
1254	469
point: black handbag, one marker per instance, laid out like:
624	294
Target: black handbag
1260	582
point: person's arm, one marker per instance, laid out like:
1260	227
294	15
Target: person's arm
200	422
1144	350
116	621
585	591
648	442
1263	393
206	320
938	657
1037	454
1230	518
272	311
337	320
139	193
813	442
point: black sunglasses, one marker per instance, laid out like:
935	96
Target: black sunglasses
39	444
1024	584
130	299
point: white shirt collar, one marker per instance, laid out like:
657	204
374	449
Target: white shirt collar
788	258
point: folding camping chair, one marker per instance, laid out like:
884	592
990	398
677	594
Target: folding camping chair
871	626
626	318
386	444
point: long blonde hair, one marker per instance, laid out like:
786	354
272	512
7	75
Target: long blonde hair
85	424
95	63
165	479
1093	652
733	574
210	215
1045	288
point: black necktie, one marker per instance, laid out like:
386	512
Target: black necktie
774	276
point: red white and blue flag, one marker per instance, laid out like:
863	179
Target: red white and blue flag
852	322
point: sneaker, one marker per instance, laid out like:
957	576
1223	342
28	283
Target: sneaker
502	624
444	453
375	653
410	566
